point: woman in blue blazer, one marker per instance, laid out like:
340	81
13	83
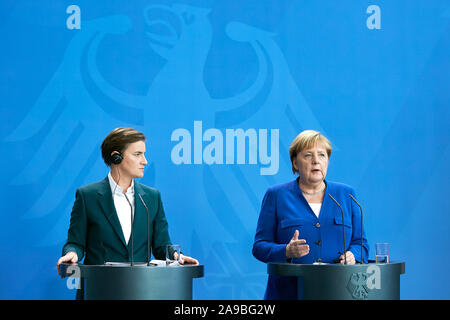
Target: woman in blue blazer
300	223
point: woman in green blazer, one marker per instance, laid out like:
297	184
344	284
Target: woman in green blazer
100	223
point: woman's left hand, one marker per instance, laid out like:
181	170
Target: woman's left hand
350	258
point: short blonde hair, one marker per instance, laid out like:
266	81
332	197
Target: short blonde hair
305	140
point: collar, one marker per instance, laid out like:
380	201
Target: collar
116	189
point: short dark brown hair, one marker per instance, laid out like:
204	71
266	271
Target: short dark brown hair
118	140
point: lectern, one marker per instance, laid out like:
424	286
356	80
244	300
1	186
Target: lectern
343	282
137	282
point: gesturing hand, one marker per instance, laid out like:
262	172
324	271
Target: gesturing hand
296	248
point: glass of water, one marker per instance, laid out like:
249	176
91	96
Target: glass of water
382	252
173	254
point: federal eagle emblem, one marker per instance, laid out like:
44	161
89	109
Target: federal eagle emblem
357	286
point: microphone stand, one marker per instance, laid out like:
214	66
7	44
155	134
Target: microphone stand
131	236
360	208
343	226
148	230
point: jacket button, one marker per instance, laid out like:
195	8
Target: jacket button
317	225
318	242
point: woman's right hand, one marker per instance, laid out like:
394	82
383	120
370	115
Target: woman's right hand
296	248
70	257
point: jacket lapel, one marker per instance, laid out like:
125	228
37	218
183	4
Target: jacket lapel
326	201
106	203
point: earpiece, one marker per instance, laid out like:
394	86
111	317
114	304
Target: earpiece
116	157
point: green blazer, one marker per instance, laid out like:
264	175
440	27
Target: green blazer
95	232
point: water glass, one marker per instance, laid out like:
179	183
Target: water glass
382	252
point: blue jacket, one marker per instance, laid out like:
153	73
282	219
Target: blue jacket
284	209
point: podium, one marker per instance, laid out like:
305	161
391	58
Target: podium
343	282
137	282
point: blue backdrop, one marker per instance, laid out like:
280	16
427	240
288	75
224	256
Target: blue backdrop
221	88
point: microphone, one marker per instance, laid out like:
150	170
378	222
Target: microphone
343	226
148	230
360	208
131	236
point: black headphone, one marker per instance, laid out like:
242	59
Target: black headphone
116	157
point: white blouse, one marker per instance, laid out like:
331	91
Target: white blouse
316	208
123	209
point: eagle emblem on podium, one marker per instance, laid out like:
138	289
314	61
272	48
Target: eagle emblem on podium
357	286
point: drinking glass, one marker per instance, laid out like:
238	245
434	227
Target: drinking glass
382	252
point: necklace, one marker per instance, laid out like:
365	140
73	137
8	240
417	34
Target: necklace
313	193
